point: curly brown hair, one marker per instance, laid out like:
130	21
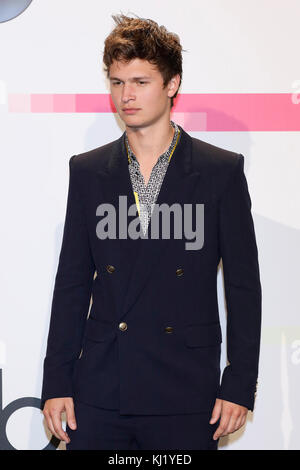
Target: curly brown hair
143	38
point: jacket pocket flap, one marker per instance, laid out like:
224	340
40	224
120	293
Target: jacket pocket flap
99	331
203	335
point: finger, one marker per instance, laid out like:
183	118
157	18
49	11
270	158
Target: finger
56	420
244	418
222	426
71	420
231	424
216	412
50	425
238	423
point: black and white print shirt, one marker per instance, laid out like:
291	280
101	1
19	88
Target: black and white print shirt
146	195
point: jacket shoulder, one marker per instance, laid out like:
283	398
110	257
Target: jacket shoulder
206	154
95	159
215	163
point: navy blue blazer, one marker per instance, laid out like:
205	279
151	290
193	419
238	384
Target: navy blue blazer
135	323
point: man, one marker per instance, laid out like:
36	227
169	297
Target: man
143	370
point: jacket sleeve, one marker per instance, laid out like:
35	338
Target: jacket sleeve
242	290
71	297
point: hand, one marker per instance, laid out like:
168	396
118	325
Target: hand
52	412
233	417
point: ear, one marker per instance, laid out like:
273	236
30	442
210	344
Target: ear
173	85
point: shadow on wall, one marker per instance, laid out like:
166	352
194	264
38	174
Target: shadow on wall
275	421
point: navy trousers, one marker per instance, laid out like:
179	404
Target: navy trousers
101	429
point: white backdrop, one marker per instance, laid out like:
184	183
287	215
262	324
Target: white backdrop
56	47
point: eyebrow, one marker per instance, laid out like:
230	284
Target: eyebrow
133	78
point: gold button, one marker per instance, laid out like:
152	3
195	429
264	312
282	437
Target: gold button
179	272
123	326
110	269
169	329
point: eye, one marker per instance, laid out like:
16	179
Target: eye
142	82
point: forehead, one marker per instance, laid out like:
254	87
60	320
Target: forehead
136	67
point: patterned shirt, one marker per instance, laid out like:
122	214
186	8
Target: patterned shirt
146	195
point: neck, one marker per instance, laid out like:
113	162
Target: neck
149	142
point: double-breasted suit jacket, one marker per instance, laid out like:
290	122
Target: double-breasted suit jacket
135	322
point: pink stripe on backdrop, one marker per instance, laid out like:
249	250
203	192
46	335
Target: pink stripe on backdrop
195	112
19	103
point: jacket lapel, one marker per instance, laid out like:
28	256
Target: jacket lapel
136	258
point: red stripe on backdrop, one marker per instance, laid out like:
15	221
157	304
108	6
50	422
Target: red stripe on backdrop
195	111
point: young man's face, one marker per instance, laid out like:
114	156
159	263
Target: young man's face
139	84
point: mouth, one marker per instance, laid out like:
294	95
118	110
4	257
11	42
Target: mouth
130	110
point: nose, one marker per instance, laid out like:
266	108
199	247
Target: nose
127	93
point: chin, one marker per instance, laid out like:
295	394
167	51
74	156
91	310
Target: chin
131	122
